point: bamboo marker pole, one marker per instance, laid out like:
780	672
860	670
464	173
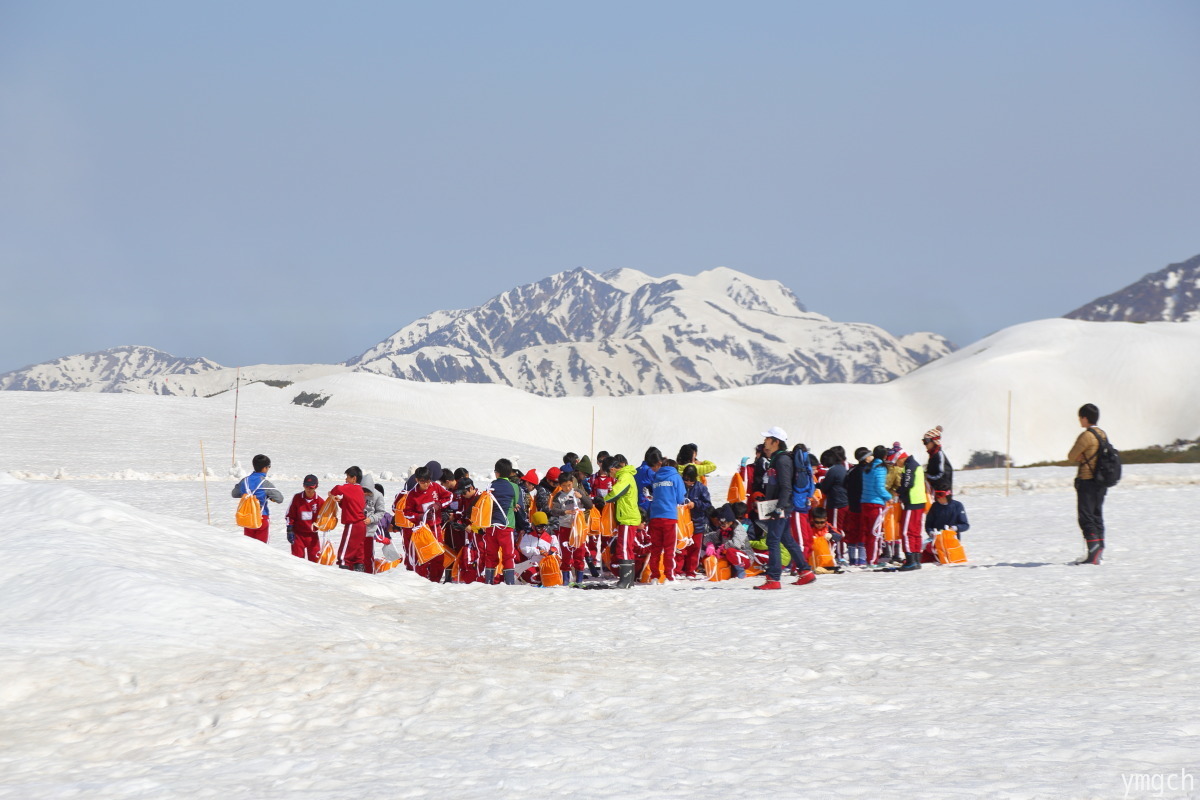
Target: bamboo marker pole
204	474
593	450
237	392
1008	445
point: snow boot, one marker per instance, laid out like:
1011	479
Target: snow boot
1095	549
593	567
448	575
626	571
579	577
911	561
510	577
360	568
489	576
769	584
806	577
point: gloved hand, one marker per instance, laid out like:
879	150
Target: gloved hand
383	538
710	550
291	535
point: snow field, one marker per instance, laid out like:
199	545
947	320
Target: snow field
147	656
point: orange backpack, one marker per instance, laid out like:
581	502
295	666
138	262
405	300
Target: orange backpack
426	544
684	528
398	517
717	569
737	489
327	517
550	569
328	555
249	513
822	553
481	512
579	530
949	549
891	522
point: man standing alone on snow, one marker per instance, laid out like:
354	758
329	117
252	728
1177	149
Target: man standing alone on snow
1089	493
778	486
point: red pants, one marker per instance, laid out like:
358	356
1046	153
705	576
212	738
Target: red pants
802	533
368	552
307	545
687	559
572	557
912	521
499	540
259	533
662	543
625	536
853	529
870	523
735	557
350	551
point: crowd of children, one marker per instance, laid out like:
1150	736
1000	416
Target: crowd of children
581	524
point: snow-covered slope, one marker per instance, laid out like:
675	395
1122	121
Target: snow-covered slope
143	656
1144	377
1170	295
623	332
114	370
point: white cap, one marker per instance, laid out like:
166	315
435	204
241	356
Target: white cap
776	433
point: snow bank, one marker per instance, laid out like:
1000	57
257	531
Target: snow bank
144	657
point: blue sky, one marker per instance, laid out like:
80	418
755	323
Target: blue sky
292	182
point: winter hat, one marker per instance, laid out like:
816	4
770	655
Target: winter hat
531	477
435	471
895	451
585	465
725	514
464	485
552	474
933	434
540	518
565	468
310	481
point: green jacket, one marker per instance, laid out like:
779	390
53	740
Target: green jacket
625	493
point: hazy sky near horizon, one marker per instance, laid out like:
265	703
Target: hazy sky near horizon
287	182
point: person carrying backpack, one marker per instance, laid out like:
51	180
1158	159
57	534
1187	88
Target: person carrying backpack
1091	454
802	491
256	483
777	486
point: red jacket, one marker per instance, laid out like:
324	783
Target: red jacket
427	506
302	513
354	502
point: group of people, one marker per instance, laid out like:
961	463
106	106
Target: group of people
654	522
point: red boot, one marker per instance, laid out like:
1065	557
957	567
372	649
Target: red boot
769	585
805	578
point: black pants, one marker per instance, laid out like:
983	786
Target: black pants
1090	497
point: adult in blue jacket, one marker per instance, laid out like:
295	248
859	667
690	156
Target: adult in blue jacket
667	494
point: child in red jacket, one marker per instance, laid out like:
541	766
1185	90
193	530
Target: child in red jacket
301	519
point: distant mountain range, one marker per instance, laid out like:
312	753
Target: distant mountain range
575	333
1170	295
624	332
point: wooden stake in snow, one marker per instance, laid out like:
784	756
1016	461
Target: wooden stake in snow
1008	445
204	474
593	450
236	395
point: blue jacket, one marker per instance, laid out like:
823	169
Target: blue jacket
701	505
669	494
875	484
256	483
504	503
643	479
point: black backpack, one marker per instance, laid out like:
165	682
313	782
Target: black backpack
1106	469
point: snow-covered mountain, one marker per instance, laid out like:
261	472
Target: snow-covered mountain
624	332
112	370
1170	295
